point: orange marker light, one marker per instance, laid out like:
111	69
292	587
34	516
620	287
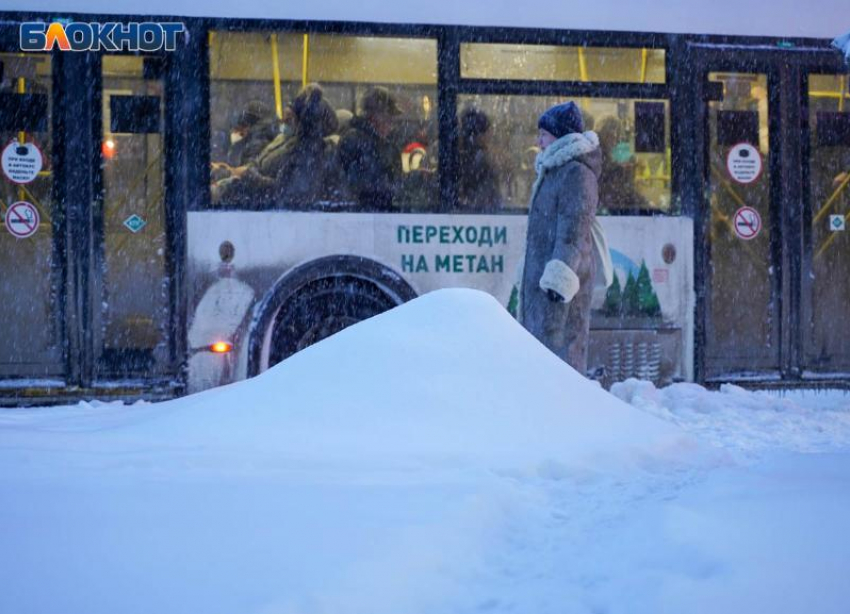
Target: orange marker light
108	149
221	347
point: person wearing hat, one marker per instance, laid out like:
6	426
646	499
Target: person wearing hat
560	257
307	169
302	170
254	129
478	183
371	164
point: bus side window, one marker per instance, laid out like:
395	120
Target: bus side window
376	149
497	151
497	133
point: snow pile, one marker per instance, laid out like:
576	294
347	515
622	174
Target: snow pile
750	424
449	379
435	459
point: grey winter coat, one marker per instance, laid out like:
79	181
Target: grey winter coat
560	254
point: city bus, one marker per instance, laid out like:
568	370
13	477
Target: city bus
140	260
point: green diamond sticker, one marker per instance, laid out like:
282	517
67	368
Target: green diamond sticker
836	222
134	223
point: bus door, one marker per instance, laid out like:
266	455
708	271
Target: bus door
769	285
825	283
133	262
31	248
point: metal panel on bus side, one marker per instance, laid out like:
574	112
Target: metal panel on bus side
434	251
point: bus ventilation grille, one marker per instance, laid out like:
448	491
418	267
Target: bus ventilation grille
641	360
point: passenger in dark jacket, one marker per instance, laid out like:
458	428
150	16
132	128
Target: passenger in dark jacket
478	185
255	128
617	182
370	161
560	261
308	171
303	170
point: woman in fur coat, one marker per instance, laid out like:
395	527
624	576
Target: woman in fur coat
560	260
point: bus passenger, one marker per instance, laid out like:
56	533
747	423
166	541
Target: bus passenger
418	188
411	139
617	183
560	258
371	163
299	170
255	128
307	168
343	119
478	185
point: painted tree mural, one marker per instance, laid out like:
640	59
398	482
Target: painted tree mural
636	299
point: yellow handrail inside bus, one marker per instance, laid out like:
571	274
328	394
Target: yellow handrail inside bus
728	187
22	89
828	204
644	57
22	136
30	197
582	65
278	103
822	94
843	84
305	60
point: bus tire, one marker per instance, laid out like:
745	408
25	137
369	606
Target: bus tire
316	300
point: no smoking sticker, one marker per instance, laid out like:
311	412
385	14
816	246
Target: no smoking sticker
22	219
747	223
744	163
22	162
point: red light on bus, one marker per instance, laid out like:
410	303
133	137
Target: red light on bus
221	347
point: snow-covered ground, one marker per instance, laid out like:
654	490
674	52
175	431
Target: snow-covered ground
433	459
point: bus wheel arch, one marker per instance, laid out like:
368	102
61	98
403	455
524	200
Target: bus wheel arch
315	300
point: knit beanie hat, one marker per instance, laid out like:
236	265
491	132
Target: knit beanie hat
562	119
253	113
473	122
315	115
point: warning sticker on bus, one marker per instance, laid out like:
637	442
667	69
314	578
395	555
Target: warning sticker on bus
744	163
22	219
22	162
747	223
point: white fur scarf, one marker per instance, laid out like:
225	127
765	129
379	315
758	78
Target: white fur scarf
568	147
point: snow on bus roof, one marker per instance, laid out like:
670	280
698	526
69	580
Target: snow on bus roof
777	18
